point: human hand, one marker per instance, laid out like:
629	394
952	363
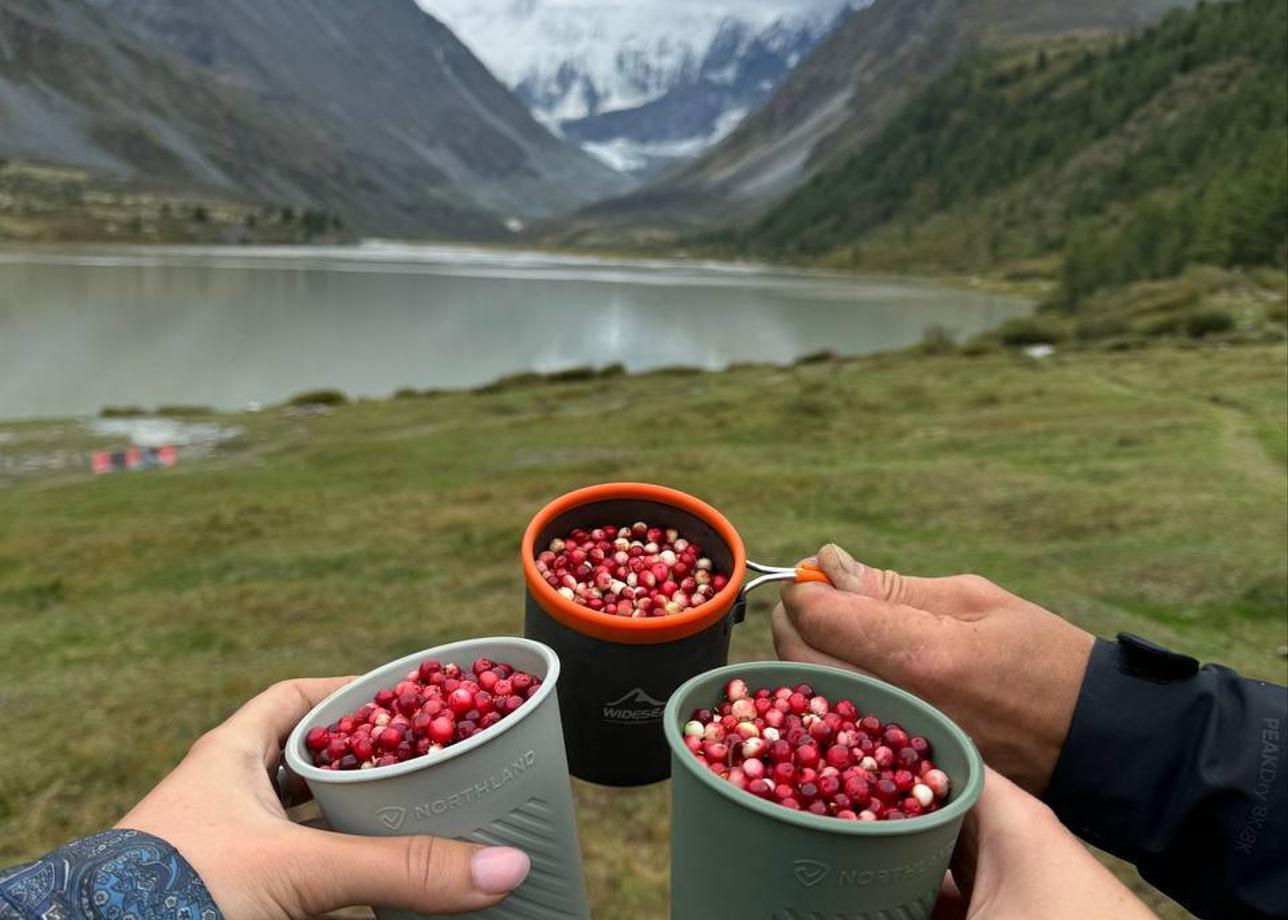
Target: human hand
1015	861
219	808
1004	669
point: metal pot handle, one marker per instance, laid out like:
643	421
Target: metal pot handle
806	571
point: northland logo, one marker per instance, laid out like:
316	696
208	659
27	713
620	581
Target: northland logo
809	872
392	817
634	706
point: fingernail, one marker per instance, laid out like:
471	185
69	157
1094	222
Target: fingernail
499	869
845	560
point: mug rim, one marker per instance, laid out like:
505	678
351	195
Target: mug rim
294	749
955	810
630	630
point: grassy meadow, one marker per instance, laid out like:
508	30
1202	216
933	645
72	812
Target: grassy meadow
1142	491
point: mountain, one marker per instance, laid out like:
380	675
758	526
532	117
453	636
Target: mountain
846	92
371	111
641	83
1124	161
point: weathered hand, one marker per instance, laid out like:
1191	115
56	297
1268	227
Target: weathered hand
219	808
1015	861
1006	670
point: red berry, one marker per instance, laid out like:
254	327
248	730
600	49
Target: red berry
636	571
363	747
460	701
434	707
792	746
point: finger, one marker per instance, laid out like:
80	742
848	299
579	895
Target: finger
266	720
953	595
951	904
791	647
996	825
427	875
965	859
873	636
292	790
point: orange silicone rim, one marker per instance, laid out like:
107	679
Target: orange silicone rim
643	630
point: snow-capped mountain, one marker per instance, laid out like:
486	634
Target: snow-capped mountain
641	82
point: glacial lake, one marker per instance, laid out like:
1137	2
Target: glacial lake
87	327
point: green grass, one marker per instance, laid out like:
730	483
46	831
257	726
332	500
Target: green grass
1139	490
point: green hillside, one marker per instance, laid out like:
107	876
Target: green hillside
1112	161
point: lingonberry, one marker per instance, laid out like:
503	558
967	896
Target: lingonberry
791	746
636	571
434	707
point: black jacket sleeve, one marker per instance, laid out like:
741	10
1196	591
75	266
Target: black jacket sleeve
1181	770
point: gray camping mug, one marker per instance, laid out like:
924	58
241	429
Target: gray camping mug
506	786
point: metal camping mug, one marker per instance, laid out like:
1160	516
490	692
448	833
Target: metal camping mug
794	863
620	671
505	786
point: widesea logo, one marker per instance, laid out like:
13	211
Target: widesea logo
636	706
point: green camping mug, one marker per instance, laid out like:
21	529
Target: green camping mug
735	855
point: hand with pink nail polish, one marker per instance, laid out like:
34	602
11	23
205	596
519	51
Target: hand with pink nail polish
220	810
1006	670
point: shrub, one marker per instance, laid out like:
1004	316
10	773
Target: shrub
319	398
510	382
184	411
121	411
937	340
572	374
1021	331
1168	324
1202	323
816	357
1101	327
979	347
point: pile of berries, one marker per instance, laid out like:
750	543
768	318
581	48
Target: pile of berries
434	707
794	747
630	571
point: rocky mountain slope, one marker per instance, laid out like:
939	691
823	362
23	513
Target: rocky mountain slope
846	92
1122	162
372	111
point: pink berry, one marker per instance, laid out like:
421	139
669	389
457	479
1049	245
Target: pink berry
938	782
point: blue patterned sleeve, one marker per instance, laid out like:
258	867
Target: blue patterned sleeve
115	875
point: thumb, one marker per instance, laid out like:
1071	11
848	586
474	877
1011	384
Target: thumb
952	596
427	875
843	570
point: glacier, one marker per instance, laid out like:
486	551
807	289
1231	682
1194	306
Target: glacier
574	61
